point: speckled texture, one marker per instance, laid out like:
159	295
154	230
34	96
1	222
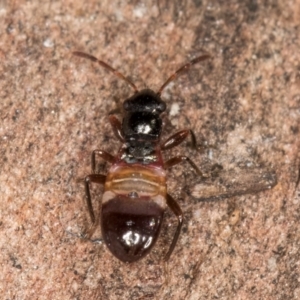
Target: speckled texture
245	102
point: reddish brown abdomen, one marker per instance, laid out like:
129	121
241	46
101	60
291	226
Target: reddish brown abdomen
132	210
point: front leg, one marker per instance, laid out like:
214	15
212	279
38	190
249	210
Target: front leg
178	138
117	127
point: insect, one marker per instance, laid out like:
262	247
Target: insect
135	193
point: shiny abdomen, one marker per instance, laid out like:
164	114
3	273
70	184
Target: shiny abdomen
133	206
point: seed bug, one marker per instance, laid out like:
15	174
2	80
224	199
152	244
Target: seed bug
135	193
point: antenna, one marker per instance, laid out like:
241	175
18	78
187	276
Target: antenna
182	70
105	65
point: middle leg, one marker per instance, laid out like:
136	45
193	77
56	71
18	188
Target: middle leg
95	178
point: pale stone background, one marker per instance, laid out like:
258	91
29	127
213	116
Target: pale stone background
53	109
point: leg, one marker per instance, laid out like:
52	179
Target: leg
117	127
178	138
114	111
104	155
194	140
173	205
178	159
175	139
96	178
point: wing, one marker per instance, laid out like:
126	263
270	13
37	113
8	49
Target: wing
228	183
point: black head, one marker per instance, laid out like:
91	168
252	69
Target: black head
145	101
142	122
